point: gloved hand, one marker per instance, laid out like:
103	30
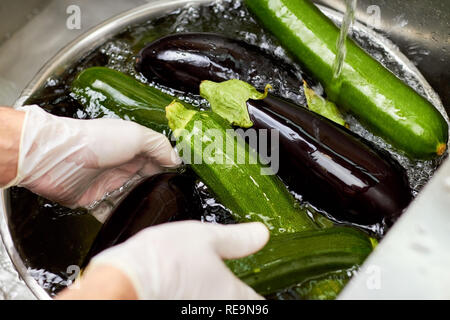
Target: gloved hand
183	260
76	162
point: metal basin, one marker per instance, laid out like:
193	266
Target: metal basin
80	47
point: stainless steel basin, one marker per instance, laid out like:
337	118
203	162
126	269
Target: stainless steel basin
109	28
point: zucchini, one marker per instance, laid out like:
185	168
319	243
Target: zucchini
101	89
365	88
291	259
251	193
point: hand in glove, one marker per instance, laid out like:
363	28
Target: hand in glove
179	260
76	162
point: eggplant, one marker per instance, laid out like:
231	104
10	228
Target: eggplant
331	167
182	61
159	199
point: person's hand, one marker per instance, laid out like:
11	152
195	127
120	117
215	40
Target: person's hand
76	162
182	260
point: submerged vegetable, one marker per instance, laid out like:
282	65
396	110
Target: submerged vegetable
233	173
183	61
327	164
367	89
159	199
290	259
105	89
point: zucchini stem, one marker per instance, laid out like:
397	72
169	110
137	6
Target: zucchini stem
178	117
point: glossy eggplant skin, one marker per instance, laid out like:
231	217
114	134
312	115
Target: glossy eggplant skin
331	167
182	61
159	199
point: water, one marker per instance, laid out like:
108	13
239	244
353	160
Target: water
341	47
38	222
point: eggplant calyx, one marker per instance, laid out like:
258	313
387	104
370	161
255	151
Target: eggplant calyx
229	99
322	106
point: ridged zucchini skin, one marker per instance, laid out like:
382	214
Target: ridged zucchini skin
365	88
291	259
240	187
100	87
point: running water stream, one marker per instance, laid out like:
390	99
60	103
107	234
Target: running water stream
341	48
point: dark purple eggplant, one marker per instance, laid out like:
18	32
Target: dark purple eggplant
182	61
331	167
159	199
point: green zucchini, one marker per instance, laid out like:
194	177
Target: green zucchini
365	88
102	89
242	186
296	258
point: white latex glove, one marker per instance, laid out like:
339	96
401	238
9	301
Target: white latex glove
184	260
76	162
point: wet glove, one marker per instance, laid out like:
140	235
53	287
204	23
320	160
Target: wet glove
76	162
184	260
